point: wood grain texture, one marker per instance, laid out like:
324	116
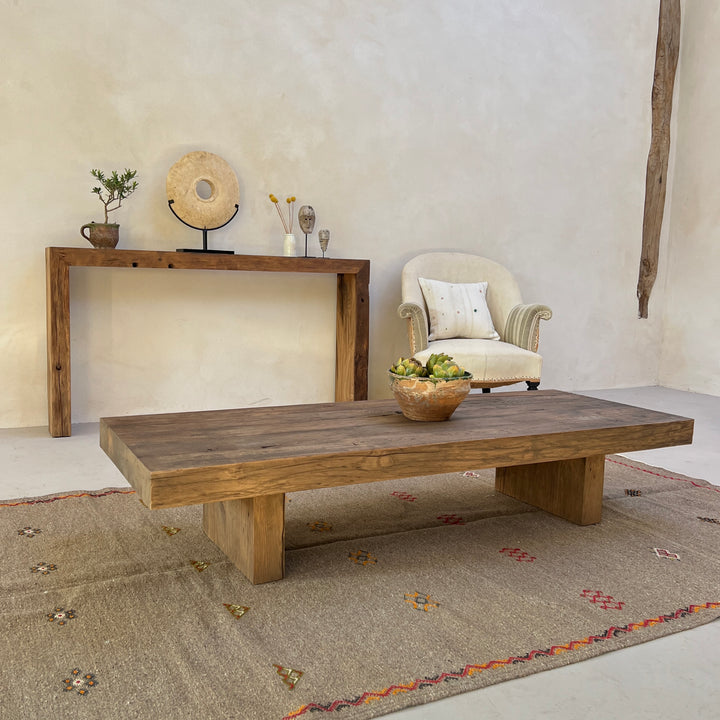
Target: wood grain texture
251	532
352	322
195	458
352	335
666	60
572	489
240	463
92	257
127	463
57	318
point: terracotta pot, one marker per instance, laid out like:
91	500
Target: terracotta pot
101	235
429	399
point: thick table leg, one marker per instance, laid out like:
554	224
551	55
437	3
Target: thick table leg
572	489
57	274
251	532
351	336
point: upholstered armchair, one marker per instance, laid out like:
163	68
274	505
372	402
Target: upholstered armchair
486	328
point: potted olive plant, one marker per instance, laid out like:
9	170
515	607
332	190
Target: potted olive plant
112	189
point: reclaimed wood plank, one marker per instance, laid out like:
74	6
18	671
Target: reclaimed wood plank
667	53
352	335
57	318
251	532
548	446
196	458
352	314
571	489
92	257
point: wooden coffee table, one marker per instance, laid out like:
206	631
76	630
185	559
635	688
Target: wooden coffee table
548	447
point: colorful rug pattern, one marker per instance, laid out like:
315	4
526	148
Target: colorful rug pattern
120	611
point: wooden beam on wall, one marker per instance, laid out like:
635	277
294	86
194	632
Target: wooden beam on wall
666	59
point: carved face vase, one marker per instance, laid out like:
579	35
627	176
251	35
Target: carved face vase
306	218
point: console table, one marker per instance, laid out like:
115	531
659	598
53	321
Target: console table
352	323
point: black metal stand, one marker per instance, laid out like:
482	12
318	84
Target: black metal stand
204	231
306	255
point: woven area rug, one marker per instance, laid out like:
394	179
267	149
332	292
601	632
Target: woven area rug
397	593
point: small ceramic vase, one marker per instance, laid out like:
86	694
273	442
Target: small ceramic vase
289	245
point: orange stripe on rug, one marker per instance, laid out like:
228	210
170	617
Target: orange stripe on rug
469	670
41	501
665	477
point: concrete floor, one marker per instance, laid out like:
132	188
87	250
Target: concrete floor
674	677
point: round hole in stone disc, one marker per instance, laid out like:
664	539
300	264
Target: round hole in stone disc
204	190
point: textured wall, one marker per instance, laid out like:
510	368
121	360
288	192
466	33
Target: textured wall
691	345
514	129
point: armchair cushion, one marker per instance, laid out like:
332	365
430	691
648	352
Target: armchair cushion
491	362
457	310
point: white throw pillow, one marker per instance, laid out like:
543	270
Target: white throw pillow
458	310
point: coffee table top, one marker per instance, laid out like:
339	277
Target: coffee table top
194	457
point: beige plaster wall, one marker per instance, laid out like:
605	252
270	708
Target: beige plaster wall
691	343
514	129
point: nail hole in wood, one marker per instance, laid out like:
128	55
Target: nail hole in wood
170	265
134	264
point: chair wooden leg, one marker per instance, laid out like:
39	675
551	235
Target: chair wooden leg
532	385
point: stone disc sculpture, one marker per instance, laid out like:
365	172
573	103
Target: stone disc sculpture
204	190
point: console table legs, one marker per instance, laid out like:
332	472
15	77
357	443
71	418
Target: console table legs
352	320
57	277
251	532
571	489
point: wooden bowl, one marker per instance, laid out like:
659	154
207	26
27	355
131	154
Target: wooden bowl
429	399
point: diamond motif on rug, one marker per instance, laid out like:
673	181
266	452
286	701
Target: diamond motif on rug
518	554
200	565
404	496
633	493
362	557
451	519
171	530
43	568
662	553
79	683
421	602
60	616
289	676
320	526
29	532
709	520
604	602
237	611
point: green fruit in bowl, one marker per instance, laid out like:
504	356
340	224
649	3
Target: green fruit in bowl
429	392
437	366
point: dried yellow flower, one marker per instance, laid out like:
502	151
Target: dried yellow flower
273	198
